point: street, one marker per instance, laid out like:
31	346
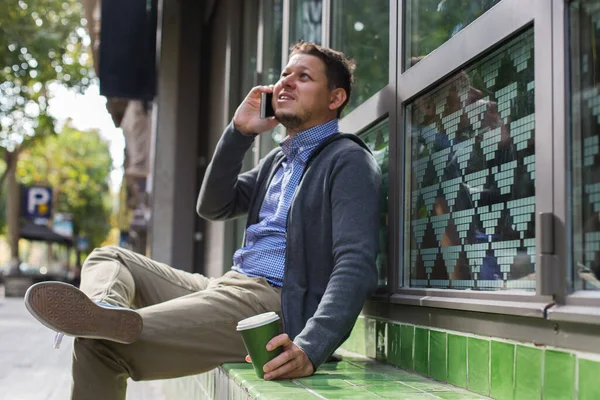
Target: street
31	369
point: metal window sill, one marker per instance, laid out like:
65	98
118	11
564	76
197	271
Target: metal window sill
577	314
517	308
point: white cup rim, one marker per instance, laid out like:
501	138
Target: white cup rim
257	320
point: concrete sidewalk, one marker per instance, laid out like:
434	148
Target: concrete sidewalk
30	369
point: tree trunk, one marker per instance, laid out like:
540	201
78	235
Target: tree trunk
13	208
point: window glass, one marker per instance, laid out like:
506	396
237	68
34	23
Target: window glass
272	40
272	43
585	135
377	139
360	29
248	68
471	182
306	21
430	23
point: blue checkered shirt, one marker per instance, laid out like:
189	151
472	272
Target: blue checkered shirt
263	254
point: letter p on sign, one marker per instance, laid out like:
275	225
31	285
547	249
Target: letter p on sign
38	202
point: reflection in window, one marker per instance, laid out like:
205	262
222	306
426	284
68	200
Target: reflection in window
360	29
377	139
272	42
585	88
472	185
306	21
430	23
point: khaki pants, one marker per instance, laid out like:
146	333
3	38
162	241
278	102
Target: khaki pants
189	321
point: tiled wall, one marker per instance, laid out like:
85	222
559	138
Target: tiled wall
493	367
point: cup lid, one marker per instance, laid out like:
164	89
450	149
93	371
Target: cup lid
257	320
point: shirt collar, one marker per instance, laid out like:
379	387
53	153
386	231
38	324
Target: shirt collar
304	142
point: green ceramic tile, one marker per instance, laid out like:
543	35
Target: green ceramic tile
404	376
280	393
317	383
287	396
460	396
241	371
503	366
356	333
381	343
407	333
343	393
528	373
559	375
589	375
478	361
365	374
367	384
389	391
243	375
380	368
269	384
422	351
229	366
393	344
457	360
340	380
370	338
370	382
431	386
437	356
413	396
318	377
361	362
339	366
358	336
255	391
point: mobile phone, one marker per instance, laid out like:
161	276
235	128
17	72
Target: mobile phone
266	105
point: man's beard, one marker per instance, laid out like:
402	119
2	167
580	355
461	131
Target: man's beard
290	121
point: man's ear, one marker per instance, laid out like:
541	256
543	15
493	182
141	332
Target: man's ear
337	98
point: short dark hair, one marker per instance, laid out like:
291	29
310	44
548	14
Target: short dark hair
338	68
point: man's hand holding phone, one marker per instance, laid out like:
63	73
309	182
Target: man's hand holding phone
247	118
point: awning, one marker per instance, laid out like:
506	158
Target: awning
31	231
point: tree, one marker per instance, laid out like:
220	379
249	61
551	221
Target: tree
77	166
42	43
433	22
360	29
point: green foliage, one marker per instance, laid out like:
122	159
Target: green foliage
77	166
361	30
430	23
41	44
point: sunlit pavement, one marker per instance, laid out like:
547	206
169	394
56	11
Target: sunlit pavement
30	369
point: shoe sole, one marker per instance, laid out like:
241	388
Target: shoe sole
66	309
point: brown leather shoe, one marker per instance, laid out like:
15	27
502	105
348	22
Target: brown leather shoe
66	309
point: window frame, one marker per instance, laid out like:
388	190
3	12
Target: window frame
581	306
378	107
493	29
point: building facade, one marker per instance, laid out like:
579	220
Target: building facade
485	118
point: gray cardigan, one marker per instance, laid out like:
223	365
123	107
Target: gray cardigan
332	231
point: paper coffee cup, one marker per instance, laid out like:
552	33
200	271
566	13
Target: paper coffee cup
256	332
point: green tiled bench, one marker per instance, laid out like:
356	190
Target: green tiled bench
495	367
354	377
